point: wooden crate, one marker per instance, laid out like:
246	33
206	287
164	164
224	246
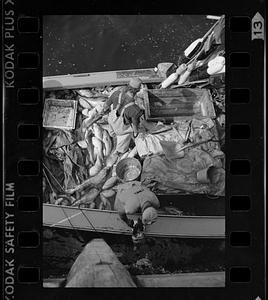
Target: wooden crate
59	114
167	105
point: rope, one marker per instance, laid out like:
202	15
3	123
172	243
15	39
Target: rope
74	228
54	177
49	183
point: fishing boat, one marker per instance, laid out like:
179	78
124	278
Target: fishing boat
107	221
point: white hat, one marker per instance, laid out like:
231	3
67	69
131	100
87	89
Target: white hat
149	215
135	83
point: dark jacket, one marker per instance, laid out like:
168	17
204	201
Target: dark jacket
131	113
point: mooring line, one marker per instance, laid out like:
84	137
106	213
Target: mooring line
66	219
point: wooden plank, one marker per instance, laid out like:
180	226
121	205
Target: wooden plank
207	106
110	222
183	102
87	80
98	266
206	279
180	92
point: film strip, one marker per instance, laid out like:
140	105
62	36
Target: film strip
22	164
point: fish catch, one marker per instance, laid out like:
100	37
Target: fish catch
106	139
133	152
89	113
97	147
111	160
88	198
105	203
87	122
108	193
98	131
96	168
85	93
84	103
90	147
82	144
97	102
110	183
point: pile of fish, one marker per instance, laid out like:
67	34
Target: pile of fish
99	146
99	189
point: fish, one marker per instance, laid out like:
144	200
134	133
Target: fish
124	155
84	103
98	131
88	198
85	112
82	144
108	193
111	160
90	113
133	152
107	143
110	183
97	147
100	107
85	93
96	168
87	122
62	201
105	203
90	147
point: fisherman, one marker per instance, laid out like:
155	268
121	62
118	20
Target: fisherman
124	117
133	197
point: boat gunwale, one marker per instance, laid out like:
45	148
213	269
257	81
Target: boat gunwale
149	234
100	72
115	212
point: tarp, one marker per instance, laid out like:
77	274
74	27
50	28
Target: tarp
180	175
193	130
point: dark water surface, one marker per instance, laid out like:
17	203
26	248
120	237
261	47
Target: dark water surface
167	255
78	44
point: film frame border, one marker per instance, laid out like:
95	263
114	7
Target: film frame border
29	151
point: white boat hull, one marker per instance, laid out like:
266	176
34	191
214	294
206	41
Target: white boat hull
109	222
88	80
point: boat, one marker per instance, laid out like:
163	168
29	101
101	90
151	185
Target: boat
106	221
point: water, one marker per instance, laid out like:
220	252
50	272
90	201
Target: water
167	255
77	44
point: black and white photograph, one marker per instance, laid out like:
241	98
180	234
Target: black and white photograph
133	148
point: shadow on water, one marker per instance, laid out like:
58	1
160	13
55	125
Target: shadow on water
166	255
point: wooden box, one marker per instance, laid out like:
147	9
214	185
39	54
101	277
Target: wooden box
167	105
59	114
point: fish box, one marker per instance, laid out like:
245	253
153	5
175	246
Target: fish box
168	105
59	114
